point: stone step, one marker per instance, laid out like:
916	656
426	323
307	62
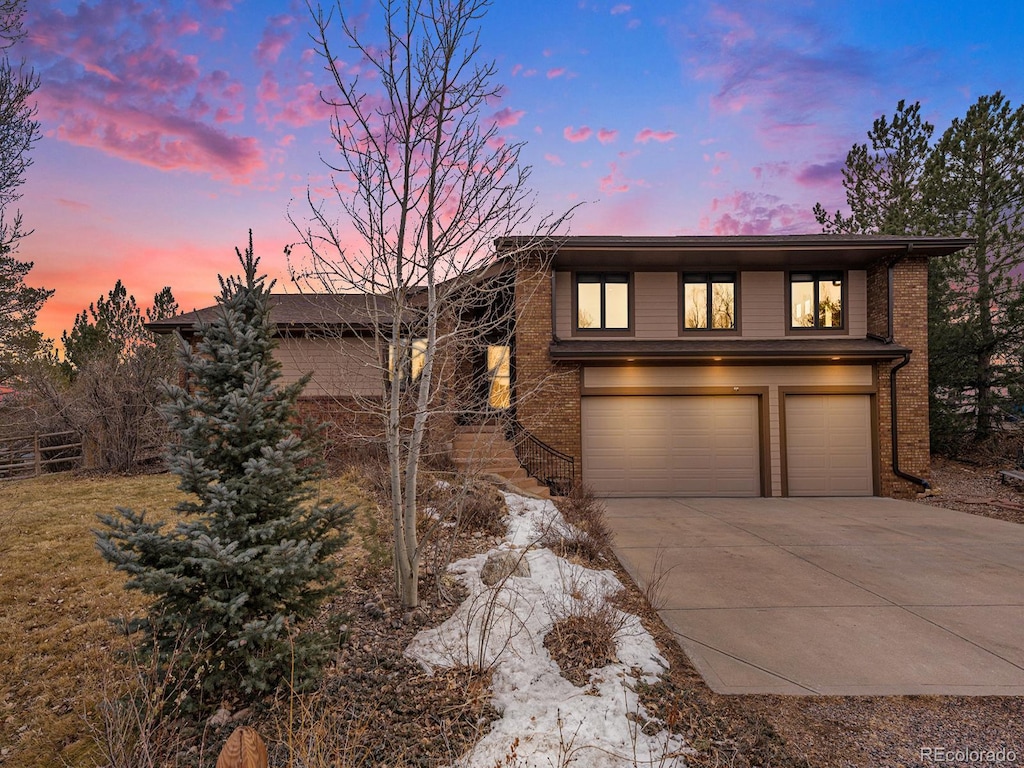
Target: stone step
485	448
477	456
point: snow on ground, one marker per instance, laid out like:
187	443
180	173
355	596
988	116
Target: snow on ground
503	628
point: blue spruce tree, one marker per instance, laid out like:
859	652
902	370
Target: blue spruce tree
251	561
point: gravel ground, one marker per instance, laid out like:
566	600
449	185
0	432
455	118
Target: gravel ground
975	489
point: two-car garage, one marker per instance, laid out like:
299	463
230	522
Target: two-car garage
771	442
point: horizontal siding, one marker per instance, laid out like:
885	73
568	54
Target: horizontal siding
340	367
762	305
763	310
857	297
563	305
657	305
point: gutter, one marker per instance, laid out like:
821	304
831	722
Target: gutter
894	426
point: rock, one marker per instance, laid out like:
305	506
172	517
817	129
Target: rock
219	719
501	565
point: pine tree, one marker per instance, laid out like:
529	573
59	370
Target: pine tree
883	182
251	561
974	185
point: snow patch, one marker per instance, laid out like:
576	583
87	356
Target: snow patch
503	628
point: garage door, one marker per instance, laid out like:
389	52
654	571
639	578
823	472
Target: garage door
672	446
828	445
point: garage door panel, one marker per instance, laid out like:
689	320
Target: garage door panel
687	446
829	449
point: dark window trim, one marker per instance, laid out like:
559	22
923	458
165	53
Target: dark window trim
735	330
630	298
844	328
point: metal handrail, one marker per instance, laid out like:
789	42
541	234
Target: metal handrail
545	464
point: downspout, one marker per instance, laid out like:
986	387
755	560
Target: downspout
892	385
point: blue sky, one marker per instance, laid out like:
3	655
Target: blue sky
170	128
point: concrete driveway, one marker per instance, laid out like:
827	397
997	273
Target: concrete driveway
833	596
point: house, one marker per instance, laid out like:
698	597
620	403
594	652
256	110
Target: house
732	366
688	366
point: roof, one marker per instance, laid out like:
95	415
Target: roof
816	350
295	311
739	251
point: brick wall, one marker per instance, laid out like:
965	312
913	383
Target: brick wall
910	329
547	394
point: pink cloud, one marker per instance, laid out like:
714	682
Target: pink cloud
577	135
276	36
607	136
755	213
821	174
553	159
293	105
615	181
736	28
507	117
555	72
114	79
787	73
74	205
620	8
649	134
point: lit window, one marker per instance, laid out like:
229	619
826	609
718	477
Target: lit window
499	374
412	357
709	301
602	301
816	299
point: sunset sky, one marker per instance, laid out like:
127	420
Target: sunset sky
170	128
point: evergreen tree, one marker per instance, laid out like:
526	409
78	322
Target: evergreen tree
974	186
251	560
19	130
882	183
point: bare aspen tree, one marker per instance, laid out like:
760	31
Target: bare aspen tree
426	184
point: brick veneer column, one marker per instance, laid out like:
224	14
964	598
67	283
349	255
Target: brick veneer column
910	329
547	394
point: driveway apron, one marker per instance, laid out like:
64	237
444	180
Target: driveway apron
835	596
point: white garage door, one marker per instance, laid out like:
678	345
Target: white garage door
828	445
672	446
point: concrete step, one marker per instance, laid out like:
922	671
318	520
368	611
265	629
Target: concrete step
477	456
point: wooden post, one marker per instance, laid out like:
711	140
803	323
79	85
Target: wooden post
39	458
243	749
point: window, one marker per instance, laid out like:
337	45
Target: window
414	353
602	301
709	301
816	299
499	375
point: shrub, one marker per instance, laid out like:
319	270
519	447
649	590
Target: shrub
586	534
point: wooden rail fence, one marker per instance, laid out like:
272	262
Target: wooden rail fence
31	455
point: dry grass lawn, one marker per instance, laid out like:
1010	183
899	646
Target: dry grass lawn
56	596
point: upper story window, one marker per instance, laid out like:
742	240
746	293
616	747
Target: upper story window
602	301
709	301
816	299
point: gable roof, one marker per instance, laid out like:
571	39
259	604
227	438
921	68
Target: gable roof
295	311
